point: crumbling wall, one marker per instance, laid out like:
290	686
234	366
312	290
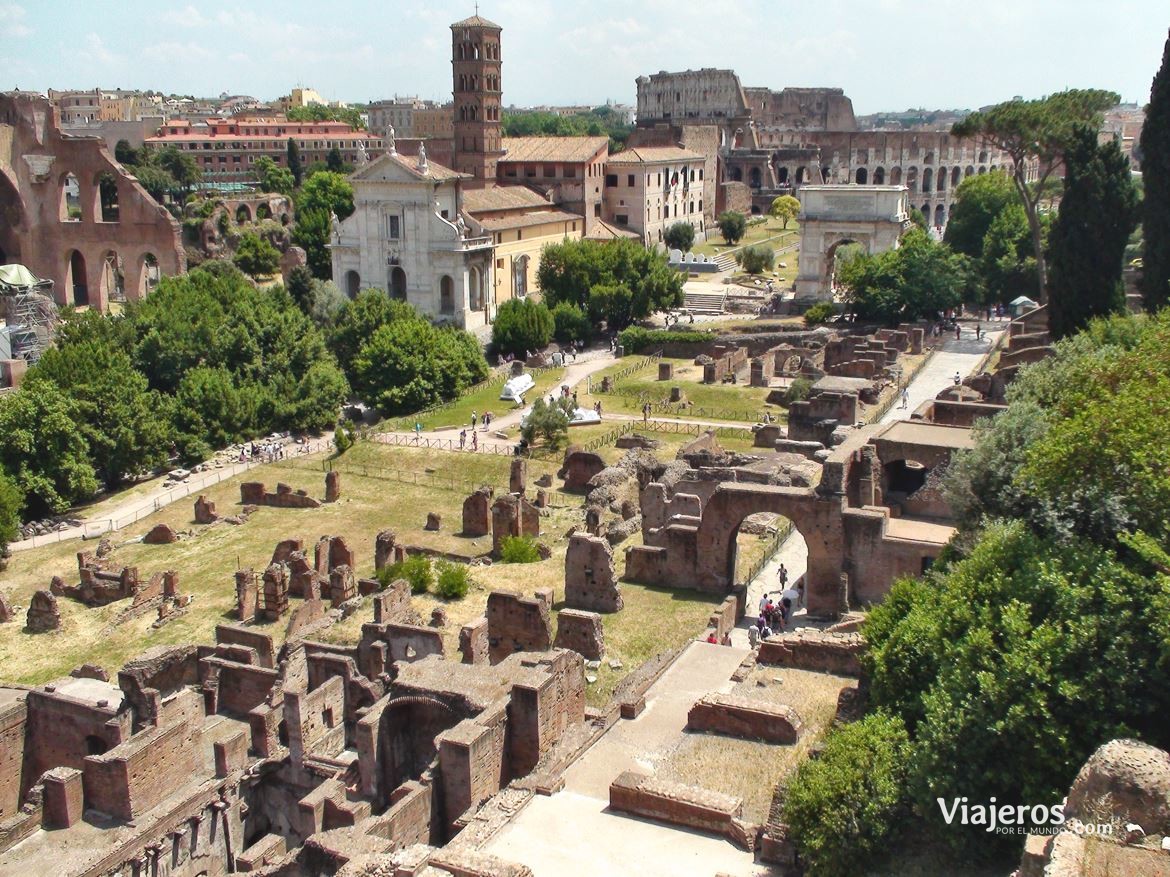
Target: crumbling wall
315	721
518	624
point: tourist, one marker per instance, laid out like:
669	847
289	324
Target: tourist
785	609
905	398
763	603
462	439
782	575
958	379
475	441
645	412
574	398
978	331
487	420
726	638
958	331
417	431
474	420
765	632
712	638
792	595
597	408
753	636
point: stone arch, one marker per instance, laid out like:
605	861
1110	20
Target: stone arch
112	284
105	189
475	279
76	289
755	178
446	295
818	519
940	215
861	177
940	183
406	739
896	176
926	213
970	171
737	174
70	210
148	274
831	257
243	214
353	282
983	157
982	170
927	179
397	283
879	176
801	175
912	179
263	211
956	176
782	175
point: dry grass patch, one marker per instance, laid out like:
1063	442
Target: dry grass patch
749	769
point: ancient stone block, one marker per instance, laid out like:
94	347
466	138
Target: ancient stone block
384	549
811	649
580	467
63	802
205	511
676	394
43	614
438	617
274	595
303	578
342	586
332	486
517	624
7	610
247	597
590	582
90	671
746	718
393	604
544	480
434	521
665	371
518	475
541	499
582	632
477	513
255	493
161	534
252	493
1133	777
285	549
473	641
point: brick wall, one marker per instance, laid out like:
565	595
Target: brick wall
747	718
315	721
472	761
57	730
675	803
13	719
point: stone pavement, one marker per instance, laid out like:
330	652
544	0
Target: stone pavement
573	832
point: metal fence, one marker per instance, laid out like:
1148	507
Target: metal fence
442	444
625	372
775	541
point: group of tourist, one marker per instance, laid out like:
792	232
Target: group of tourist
474	439
774	615
268	452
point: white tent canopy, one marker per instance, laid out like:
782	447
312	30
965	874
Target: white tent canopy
515	388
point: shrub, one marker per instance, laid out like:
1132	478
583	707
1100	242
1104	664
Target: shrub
522	325
636	339
416	569
344	437
841	807
797	391
732	225
255	256
821	312
519	549
757	259
570	323
453	580
548	422
680	236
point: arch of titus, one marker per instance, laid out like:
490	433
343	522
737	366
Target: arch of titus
873	216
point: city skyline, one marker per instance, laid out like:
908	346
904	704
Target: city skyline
216	47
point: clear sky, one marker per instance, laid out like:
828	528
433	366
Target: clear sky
886	54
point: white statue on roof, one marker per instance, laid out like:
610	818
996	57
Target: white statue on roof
363	157
422	158
390	150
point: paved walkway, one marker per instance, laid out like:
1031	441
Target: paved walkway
574	833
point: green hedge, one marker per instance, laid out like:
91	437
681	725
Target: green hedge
636	339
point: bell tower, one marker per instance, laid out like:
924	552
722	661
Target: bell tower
475	69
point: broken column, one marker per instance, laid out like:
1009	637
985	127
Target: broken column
518	475
275	594
384	549
590	582
205	511
246	595
513	515
477	513
332	486
342	586
43	614
665	371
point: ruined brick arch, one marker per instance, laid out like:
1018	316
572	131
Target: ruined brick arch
11	218
818	518
406	738
112	280
70	203
243	214
76	286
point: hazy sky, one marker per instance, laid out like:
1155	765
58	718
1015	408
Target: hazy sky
886	54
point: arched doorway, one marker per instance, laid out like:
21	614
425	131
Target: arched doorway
879	176
801	175
263	211
895	176
446	295
861	177
398	283
763	542
406	740
940	216
76	283
520	276
969	172
149	275
782	175
755	178
353	282
475	279
70	198
837	255
927	179
113	279
243	214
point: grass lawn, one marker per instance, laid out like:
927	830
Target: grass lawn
488	399
715	245
735	402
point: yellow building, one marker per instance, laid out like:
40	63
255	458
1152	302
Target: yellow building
521	222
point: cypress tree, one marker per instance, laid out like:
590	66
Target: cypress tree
294	160
1155	159
1098	212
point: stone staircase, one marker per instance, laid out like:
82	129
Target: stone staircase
726	262
705	302
1028	341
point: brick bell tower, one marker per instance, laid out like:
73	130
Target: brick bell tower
475	69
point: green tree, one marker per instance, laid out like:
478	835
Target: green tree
570	323
409	364
181	167
1098	213
918	279
918	219
256	256
359	320
123	422
300	288
272	177
785	208
42	450
158	182
125	154
1155	215
547	422
578	272
732	226
328	192
613	304
978	200
323	195
522	326
334	161
11	505
312	233
293	160
821	312
1007	268
842	806
756	259
1036	132
680	236
452	580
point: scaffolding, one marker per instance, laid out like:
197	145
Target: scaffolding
29	310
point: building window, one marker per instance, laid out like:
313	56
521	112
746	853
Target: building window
509	171
630	181
393	227
530	170
570	171
610	180
550	170
622	219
